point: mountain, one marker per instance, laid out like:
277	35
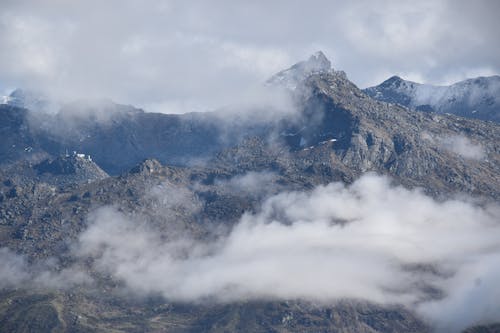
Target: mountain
341	128
193	178
30	99
289	78
119	136
477	98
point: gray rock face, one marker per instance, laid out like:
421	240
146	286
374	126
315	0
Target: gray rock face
477	98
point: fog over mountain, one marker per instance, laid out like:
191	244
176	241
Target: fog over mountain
294	202
333	243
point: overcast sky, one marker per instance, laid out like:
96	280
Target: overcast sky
177	56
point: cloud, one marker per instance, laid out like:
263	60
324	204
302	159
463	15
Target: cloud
250	183
462	146
193	56
372	241
13	269
16	272
472	297
364	241
459	145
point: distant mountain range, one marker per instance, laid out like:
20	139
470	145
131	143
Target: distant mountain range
472	98
57	169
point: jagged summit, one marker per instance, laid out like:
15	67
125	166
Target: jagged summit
317	62
289	78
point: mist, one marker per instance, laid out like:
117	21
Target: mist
372	240
17	272
457	144
462	146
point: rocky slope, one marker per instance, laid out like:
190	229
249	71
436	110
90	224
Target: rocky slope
65	170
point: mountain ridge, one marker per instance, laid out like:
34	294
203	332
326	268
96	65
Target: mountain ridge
472	98
367	135
231	167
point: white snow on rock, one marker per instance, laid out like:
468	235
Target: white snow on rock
477	98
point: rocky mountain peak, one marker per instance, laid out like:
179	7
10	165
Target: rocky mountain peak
317	62
289	78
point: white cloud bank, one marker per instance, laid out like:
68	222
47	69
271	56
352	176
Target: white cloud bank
332	243
371	240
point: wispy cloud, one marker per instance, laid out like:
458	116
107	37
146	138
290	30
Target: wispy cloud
17	272
457	144
335	242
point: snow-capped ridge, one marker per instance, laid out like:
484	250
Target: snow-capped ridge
475	98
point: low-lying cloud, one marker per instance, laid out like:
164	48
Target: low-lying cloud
16	272
371	241
462	146
458	144
250	183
